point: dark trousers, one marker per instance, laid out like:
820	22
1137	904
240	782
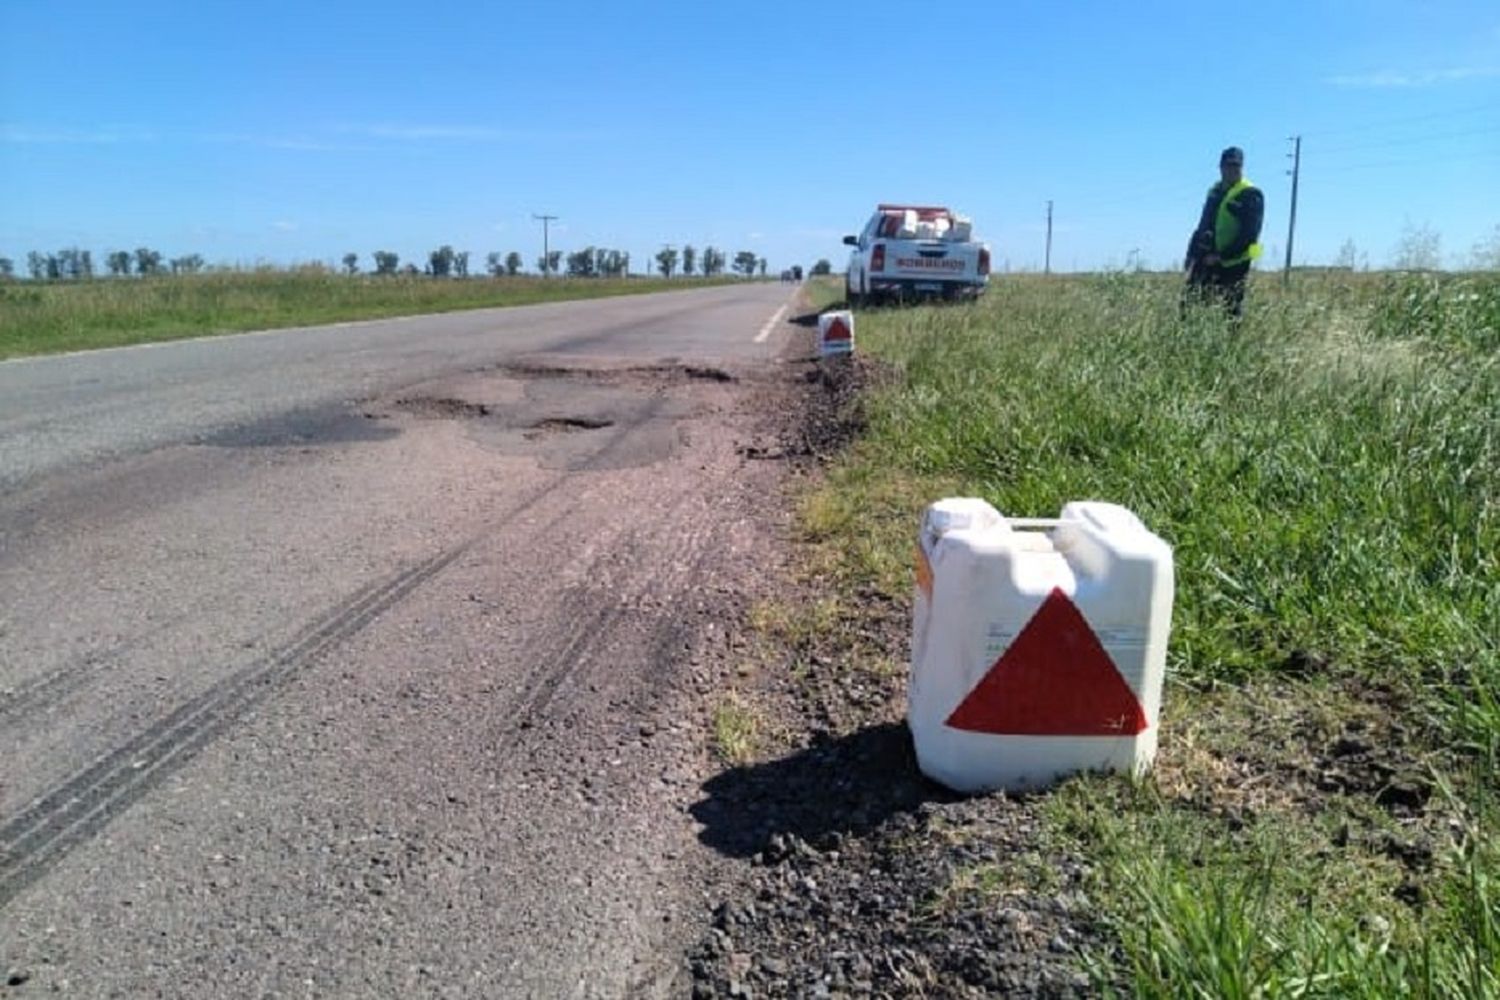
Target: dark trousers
1224	286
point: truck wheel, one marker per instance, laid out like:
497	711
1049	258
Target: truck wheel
855	299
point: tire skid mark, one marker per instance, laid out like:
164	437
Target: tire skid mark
60	820
592	614
42	693
590	622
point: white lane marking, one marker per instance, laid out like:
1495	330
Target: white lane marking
765	331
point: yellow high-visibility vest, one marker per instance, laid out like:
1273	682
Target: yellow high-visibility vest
1227	227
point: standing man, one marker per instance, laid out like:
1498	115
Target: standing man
1225	242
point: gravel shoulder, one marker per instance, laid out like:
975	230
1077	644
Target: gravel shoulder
846	872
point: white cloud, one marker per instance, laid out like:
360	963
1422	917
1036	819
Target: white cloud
434	132
298	143
1390	79
284	226
106	134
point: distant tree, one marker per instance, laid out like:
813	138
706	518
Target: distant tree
440	261
191	264
512	264
7	268
822	267
601	261
386	262
461	264
581	263
1419	249
493	265
689	260
410	270
550	263
666	261
147	261
745	262
615	264
713	261
1348	256
71	264
36	265
1486	254
351	263
762	267
64	264
118	262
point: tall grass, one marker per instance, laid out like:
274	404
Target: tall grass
38	318
1329	476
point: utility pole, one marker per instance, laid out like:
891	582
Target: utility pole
1291	226
1047	264
546	220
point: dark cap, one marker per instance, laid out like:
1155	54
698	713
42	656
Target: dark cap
1233	154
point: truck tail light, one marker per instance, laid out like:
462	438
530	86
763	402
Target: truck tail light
984	260
877	258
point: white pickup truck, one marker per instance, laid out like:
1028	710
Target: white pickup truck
909	251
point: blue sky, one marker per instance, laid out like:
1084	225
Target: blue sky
296	131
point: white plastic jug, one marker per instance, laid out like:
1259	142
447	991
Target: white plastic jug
1036	653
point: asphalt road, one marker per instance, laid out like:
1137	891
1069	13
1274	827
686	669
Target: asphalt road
57	413
365	659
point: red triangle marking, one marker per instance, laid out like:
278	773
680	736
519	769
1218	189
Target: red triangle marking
1054	680
837	330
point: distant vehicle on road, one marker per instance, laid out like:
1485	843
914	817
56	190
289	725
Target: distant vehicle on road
912	251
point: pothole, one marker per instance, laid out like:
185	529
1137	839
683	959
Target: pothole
624	374
566	425
710	374
442	408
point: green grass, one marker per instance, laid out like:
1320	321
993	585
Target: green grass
1329	477
737	730
44	318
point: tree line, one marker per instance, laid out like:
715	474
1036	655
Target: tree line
73	264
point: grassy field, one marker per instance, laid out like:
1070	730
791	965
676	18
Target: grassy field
1322	819
44	318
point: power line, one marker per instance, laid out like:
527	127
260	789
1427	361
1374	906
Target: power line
1405	120
1420	161
1408	140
